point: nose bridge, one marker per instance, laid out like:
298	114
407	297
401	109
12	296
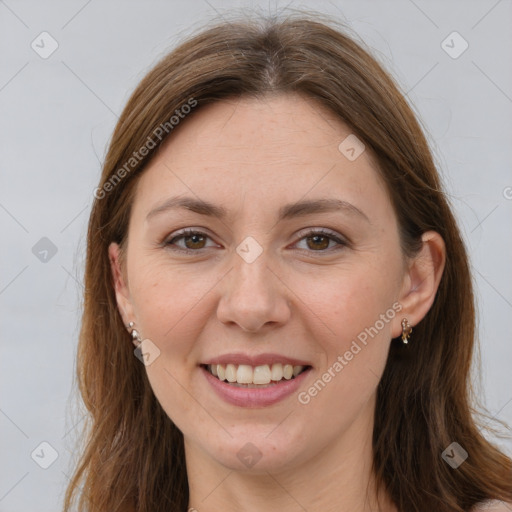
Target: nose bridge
252	272
252	295
251	280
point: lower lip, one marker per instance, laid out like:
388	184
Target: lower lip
254	397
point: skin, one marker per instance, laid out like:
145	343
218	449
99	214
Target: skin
301	297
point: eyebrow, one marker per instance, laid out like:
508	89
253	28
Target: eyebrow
289	211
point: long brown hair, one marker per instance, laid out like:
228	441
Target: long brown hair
133	458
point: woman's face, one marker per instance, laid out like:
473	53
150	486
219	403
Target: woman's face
294	260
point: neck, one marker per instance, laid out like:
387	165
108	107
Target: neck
338	479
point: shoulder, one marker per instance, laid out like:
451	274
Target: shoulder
493	506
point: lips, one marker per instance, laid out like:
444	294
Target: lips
254	381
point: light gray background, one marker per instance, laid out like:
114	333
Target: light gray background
56	117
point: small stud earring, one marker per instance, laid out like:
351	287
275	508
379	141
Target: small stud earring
406	330
137	340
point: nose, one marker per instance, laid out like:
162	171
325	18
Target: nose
254	296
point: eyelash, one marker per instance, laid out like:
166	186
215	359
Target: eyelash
313	232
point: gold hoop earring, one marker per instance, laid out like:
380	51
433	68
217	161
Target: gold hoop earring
406	331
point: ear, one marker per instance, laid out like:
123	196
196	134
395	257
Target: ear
120	285
421	281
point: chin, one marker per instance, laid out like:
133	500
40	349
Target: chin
254	451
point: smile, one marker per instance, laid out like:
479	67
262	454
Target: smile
254	381
254	376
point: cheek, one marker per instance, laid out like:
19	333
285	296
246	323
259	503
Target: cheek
167	303
354	302
171	307
358	309
358	312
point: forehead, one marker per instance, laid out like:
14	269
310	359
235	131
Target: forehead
289	126
273	149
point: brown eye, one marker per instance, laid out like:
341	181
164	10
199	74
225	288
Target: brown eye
318	242
195	241
189	241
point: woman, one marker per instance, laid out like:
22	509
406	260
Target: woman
271	233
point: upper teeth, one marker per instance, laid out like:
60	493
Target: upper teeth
246	374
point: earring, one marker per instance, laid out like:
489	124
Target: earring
137	340
406	330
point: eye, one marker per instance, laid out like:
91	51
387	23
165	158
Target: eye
193	240
318	240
